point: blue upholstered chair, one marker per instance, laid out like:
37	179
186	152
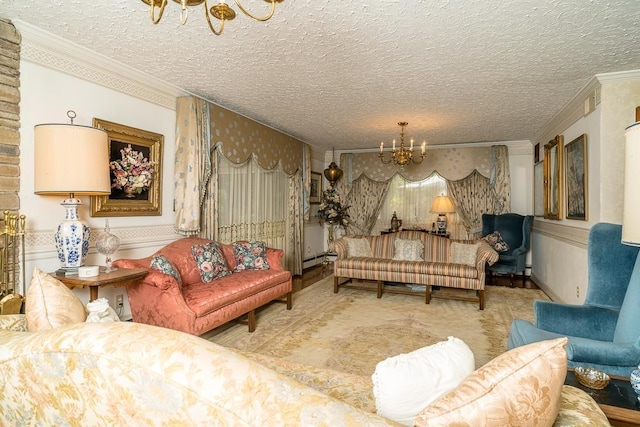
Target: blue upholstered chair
515	229
604	333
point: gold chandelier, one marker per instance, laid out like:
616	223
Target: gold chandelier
402	156
220	11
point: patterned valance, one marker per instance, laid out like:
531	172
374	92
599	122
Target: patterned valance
241	137
451	163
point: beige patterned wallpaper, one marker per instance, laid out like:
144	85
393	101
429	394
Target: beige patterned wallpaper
451	163
241	137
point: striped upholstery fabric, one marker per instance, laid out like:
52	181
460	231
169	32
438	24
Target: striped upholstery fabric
436	270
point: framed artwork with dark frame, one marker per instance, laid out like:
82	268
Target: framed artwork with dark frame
315	192
536	153
553	178
146	201
576	178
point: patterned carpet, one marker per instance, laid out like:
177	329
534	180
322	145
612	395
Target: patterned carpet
353	330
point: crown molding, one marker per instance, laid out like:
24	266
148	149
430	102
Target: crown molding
51	51
619	77
574	110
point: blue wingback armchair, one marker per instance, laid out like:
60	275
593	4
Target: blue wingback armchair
604	333
515	229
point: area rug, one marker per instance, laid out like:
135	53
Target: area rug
352	331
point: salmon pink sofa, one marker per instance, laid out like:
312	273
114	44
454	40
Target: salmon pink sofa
194	306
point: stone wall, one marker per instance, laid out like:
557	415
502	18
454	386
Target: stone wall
9	117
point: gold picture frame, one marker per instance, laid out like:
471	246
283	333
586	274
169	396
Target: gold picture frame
577	179
147	203
315	191
553	178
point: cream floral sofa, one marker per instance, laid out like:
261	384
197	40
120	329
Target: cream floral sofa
441	263
128	374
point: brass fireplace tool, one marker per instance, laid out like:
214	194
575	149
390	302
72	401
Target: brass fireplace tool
11	252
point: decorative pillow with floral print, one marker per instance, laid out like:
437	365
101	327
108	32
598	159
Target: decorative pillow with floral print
162	264
496	241
250	256
211	261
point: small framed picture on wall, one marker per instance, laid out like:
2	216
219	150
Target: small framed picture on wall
315	193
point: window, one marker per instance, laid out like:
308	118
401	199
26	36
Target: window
411	201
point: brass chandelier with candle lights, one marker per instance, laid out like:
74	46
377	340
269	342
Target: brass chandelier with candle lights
220	11
402	156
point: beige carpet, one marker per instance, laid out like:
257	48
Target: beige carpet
353	330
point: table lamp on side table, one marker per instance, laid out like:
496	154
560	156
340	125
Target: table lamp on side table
442	205
71	160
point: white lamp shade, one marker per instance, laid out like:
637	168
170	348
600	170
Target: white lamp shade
71	159
442	205
631	212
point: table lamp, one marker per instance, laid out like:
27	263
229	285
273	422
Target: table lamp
442	205
71	160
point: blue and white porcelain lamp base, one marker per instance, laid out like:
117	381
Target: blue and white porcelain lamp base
72	237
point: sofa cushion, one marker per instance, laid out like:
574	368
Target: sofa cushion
250	256
404	385
211	261
50	304
520	387
496	241
408	250
359	247
162	264
464	253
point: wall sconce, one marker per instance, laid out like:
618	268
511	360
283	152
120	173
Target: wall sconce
71	160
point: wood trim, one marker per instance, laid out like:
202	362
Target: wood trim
575	236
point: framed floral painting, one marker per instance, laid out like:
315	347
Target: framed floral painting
135	165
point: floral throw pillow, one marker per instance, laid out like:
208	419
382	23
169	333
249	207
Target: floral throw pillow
496	241
162	264
250	256
211	261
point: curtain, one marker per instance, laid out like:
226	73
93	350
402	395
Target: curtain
412	200
472	196
261	204
365	200
192	163
500	179
294	245
209	206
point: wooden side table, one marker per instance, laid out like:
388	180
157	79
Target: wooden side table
617	400
120	277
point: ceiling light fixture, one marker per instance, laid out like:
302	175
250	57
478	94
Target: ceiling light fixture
402	156
220	11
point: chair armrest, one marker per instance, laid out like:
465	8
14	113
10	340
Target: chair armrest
274	258
340	247
160	280
595	323
485	255
519	251
603	352
13	322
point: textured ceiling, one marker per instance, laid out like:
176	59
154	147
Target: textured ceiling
343	73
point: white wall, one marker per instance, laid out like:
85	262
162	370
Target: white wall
46	95
560	247
314	237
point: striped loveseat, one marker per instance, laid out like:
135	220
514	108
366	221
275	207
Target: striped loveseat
436	269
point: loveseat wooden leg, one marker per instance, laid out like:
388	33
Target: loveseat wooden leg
289	304
379	289
427	298
335	284
251	320
481	298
